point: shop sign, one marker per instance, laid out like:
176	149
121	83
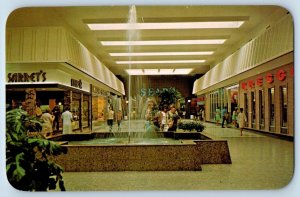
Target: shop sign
76	83
155	91
194	102
27	77
98	91
201	98
269	78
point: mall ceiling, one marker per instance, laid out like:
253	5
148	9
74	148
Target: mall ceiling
256	19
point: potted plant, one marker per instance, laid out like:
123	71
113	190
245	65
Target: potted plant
29	164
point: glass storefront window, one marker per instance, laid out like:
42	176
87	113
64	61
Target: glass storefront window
215	103
261	109
271	92
284	108
85	111
246	104
253	109
233	99
99	105
225	98
211	107
75	110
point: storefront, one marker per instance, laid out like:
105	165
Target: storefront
218	99
52	67
99	106
48	88
268	100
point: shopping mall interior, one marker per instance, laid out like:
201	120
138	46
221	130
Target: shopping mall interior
199	59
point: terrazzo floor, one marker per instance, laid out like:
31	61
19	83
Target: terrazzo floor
259	162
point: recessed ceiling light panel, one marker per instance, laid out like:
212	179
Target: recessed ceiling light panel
166	71
161	62
134	71
162	42
160	53
173	25
181	71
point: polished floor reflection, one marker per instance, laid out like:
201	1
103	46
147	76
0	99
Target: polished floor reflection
258	162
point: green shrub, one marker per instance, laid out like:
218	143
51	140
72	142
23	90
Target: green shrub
29	164
191	125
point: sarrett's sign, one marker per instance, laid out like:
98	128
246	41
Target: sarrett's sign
27	77
268	78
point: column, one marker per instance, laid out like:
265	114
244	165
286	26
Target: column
30	100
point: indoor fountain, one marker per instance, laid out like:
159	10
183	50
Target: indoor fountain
153	154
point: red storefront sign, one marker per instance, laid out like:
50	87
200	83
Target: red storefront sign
269	78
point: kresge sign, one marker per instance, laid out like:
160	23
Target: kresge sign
269	78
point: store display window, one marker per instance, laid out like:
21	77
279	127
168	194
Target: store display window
271	92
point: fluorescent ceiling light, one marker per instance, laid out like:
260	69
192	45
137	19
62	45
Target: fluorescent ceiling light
162	42
184	71
151	71
166	71
161	53
160	62
135	72
174	25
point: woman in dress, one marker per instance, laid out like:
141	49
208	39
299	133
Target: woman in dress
47	119
242	119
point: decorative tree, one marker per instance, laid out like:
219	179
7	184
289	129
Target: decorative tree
28	157
168	96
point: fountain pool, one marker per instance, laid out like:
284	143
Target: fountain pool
124	141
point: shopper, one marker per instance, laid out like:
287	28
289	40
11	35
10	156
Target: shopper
56	113
203	115
47	119
110	118
172	118
149	116
119	119
242	119
234	117
199	115
224	115
38	110
67	119
163	119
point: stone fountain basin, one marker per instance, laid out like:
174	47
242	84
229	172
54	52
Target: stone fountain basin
144	157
